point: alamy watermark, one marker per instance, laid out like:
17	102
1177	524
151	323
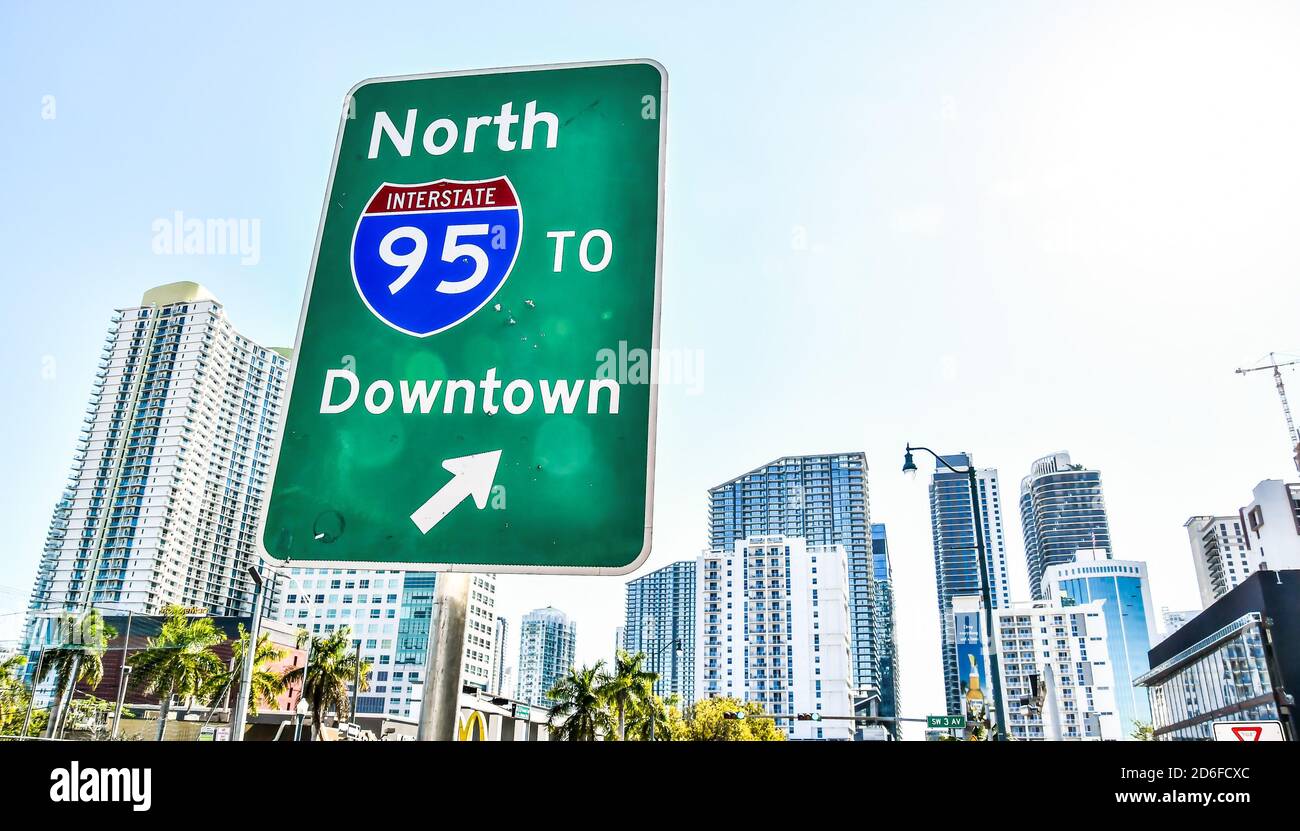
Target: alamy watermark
178	235
624	365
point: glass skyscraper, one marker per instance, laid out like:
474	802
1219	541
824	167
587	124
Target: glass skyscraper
1061	512
956	558
824	500
886	638
1130	620
660	618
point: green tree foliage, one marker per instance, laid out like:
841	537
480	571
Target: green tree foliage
78	661
267	685
179	661
661	712
706	722
629	689
332	666
581	711
14	699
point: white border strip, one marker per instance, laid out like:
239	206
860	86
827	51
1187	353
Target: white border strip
485	568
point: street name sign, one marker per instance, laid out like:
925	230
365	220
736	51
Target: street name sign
473	385
946	722
1248	731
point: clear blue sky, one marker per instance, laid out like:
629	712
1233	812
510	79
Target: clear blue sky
1008	228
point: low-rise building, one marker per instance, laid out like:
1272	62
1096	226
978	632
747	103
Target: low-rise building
1239	660
1057	679
388	613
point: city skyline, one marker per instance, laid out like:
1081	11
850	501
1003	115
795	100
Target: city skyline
512	657
1015	192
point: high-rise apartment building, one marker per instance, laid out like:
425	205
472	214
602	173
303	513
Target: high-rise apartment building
1219	554
660	622
1228	549
773	629
1056	671
823	500
1124	591
956	559
168	477
547	640
388	614
1061	511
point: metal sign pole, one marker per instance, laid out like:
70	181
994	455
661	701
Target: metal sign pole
31	693
124	676
240	717
441	703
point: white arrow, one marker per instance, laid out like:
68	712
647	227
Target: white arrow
471	476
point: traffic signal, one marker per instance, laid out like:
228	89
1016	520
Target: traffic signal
734	714
808	717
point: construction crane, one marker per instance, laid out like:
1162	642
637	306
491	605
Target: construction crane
1276	366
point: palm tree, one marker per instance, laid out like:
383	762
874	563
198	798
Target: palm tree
628	687
179	662
656	710
76	662
333	665
580	708
266	686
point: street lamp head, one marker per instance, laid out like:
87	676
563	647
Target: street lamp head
909	466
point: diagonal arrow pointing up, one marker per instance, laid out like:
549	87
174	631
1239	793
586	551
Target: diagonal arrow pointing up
471	476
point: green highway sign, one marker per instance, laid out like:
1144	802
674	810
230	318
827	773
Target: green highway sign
473	385
946	722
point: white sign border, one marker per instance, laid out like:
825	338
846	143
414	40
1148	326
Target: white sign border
265	558
1228	725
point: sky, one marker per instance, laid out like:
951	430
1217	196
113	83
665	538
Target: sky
1009	228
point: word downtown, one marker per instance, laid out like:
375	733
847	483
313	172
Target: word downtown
342	390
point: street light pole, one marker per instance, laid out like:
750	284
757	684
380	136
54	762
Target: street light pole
662	650
240	717
31	697
986	591
302	696
125	672
356	685
301	711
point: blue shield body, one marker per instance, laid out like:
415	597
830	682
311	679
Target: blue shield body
426	257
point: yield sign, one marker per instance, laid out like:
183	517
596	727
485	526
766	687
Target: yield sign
1248	731
1247	734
